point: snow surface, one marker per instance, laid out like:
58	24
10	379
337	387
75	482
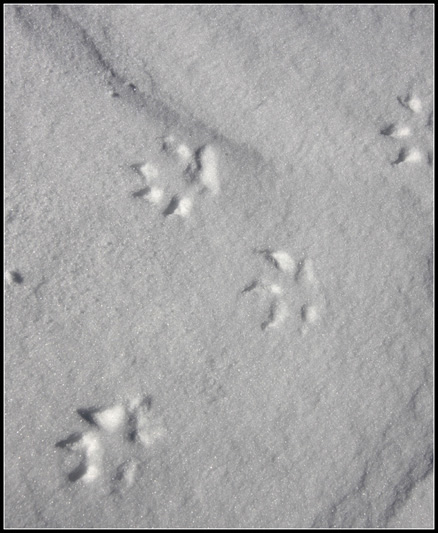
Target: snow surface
263	360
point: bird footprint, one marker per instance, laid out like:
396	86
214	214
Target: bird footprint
403	131
110	441
197	172
297	292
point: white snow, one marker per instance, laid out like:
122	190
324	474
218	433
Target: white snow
155	195
414	103
401	131
91	445
93	457
276	289
110	419
92	474
184	208
184	153
218	266
413	156
149	171
208	173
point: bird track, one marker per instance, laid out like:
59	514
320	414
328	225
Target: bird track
409	132
113	445
294	291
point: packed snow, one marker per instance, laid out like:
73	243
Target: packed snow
218	266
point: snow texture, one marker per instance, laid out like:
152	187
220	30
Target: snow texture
110	419
218	266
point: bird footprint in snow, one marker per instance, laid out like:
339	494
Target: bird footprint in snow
181	176
297	293
404	131
110	445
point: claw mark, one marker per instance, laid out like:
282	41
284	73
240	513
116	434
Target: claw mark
141	192
281	260
88	414
78	472
398	132
179	206
154	195
125	474
70	441
413	103
253	285
277	315
408	156
13	277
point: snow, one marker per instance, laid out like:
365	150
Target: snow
414	103
149	172
218	266
282	261
184	153
13	277
413	156
155	195
110	419
208	174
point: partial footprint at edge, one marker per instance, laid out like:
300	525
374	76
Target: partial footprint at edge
400	131
198	171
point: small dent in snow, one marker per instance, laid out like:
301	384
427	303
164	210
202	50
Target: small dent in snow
277	314
179	206
396	131
13	277
281	260
153	195
412	102
125	474
408	156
